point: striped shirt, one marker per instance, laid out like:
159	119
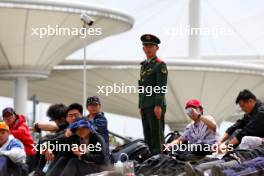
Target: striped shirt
199	133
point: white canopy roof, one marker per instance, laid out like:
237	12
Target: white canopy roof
216	84
20	48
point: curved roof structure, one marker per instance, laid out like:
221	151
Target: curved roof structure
21	48
36	35
216	84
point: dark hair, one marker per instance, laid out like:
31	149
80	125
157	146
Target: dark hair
201	109
57	111
76	106
245	95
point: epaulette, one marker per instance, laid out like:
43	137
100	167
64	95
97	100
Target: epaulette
159	60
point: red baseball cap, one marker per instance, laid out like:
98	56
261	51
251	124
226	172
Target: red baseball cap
193	103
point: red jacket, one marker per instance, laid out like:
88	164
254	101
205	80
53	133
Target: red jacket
21	131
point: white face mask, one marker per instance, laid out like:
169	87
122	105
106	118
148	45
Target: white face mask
189	111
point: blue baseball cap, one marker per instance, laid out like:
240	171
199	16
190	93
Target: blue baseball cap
82	124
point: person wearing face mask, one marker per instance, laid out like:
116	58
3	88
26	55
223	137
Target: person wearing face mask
202	129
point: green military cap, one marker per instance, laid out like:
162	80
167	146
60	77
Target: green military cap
150	39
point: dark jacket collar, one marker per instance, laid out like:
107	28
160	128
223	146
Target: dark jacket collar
256	108
100	114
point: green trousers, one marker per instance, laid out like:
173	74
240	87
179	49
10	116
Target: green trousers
153	129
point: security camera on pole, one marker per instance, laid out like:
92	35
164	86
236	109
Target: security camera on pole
87	23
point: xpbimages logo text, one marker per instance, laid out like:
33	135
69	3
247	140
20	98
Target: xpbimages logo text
46	31
122	88
60	147
182	147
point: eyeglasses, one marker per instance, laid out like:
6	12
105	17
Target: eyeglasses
73	115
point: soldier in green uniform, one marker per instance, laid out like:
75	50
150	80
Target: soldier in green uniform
153	74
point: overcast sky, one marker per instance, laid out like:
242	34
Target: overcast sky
244	18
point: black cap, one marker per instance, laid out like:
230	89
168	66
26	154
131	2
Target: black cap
8	111
93	100
149	39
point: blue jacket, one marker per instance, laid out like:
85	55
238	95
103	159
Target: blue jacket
100	124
